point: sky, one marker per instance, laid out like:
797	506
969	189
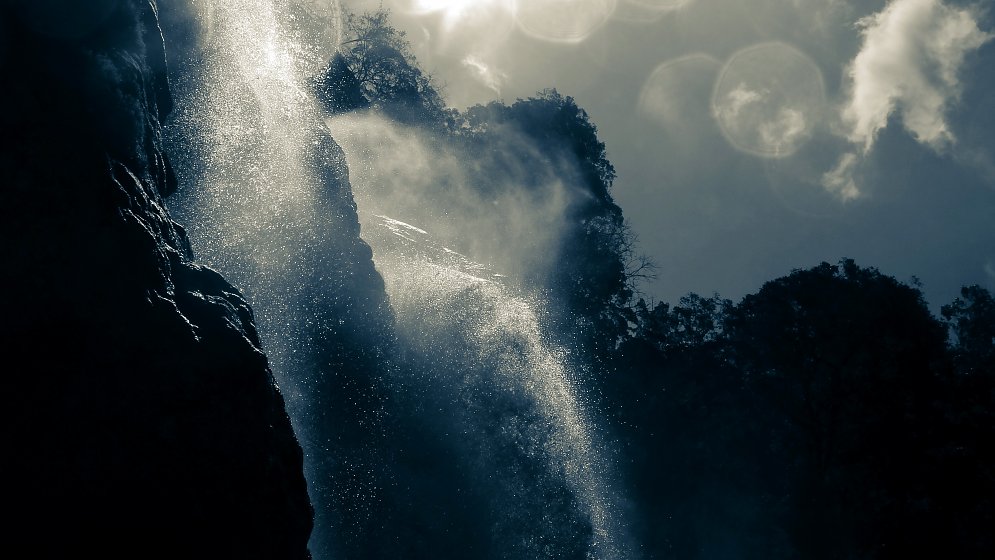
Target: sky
753	137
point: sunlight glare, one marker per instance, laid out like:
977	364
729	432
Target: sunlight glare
563	21
462	27
454	11
646	12
660	5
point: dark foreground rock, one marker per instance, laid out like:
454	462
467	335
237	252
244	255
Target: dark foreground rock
140	417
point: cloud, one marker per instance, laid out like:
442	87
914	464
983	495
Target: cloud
768	99
839	180
910	64
740	98
486	74
785	130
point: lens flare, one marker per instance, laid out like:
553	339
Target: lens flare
450	8
660	5
645	12
457	13
465	26
563	21
769	99
672	95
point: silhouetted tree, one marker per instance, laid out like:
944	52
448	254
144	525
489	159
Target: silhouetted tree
846	362
696	320
968	443
971	318
593	273
695	446
338	89
823	417
818	418
375	68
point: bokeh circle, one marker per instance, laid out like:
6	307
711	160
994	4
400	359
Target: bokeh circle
768	99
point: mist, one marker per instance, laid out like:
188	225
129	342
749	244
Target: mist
501	207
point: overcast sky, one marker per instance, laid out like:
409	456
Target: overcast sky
756	136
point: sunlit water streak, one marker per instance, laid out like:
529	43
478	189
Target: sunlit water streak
436	291
253	211
258	196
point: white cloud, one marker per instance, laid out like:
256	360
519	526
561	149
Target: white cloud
910	64
785	130
839	180
738	99
486	74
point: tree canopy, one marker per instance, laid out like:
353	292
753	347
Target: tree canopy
597	263
828	408
971	319
375	68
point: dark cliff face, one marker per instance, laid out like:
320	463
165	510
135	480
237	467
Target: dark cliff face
141	417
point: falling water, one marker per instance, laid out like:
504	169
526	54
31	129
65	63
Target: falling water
514	392
265	195
245	125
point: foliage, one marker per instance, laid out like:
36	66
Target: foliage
971	318
375	68
551	119
597	265
969	446
818	418
338	88
845	358
692	323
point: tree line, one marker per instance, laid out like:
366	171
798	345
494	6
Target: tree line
829	415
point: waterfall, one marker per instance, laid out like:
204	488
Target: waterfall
265	195
244	139
510	393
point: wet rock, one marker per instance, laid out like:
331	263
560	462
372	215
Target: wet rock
141	417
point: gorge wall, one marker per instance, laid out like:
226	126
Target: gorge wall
141	415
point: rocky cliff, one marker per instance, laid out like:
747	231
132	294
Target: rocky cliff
141	417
